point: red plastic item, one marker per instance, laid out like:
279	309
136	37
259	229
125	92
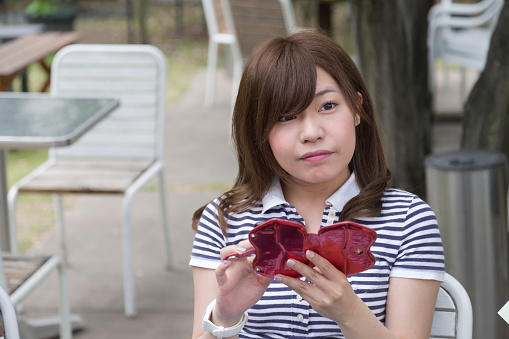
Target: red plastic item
345	244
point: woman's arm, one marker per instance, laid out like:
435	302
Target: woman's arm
409	312
410	307
235	286
205	290
410	302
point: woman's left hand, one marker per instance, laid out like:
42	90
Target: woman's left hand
329	293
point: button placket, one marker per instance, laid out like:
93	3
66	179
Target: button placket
300	311
331	215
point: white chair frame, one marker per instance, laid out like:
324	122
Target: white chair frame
218	37
453	316
9	318
105	56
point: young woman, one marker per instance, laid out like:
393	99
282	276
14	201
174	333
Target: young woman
309	151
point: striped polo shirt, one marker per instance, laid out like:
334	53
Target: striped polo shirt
408	246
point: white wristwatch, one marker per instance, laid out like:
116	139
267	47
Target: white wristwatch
220	331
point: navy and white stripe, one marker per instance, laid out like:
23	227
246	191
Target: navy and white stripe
408	246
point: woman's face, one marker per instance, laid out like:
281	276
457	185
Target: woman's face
316	145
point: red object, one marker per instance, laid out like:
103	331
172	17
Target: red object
345	244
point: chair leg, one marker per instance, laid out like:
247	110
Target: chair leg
211	73
12	198
129	289
463	84
59	220
65	309
164	217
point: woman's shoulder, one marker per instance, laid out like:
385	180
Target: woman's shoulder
400	195
401	200
215	205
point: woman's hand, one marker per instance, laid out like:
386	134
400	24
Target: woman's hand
329	293
239	287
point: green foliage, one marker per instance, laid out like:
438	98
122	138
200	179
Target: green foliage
38	8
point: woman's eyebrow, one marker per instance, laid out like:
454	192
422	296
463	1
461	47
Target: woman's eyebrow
324	91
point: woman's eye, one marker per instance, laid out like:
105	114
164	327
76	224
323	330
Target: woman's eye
328	106
287	118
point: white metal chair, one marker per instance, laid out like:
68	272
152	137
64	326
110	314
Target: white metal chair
453	311
119	155
219	35
460	34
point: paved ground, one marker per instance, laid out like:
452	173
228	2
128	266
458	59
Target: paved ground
199	164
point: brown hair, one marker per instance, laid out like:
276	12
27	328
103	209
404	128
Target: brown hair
280	77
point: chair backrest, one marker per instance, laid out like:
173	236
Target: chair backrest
214	16
136	75
255	21
483	13
9	319
453	311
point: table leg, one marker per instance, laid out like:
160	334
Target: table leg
4	217
5	82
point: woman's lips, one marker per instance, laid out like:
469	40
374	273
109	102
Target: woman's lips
315	156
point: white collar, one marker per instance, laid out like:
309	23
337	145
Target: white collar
338	200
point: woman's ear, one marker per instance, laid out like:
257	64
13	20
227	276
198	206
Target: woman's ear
357	116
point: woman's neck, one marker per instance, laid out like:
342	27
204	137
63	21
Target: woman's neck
309	200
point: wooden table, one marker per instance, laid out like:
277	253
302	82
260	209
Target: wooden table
16	55
34	120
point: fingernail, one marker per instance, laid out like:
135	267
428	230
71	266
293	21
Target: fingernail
310	254
278	278
225	262
290	262
241	249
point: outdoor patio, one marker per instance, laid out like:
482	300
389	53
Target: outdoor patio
197	170
200	165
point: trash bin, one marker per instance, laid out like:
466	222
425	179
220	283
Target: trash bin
467	190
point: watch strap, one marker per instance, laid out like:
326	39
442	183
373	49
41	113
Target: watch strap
220	331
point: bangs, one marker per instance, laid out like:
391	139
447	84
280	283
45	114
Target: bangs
286	74
294	82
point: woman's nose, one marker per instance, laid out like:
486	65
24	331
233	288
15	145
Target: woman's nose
311	129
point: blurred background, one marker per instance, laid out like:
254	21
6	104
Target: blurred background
424	108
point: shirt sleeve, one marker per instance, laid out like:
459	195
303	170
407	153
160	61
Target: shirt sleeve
421	255
208	240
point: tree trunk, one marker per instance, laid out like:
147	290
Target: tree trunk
486	119
391	47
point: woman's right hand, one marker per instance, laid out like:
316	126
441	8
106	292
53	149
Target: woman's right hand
239	286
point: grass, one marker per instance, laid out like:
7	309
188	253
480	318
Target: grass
34	211
185	54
